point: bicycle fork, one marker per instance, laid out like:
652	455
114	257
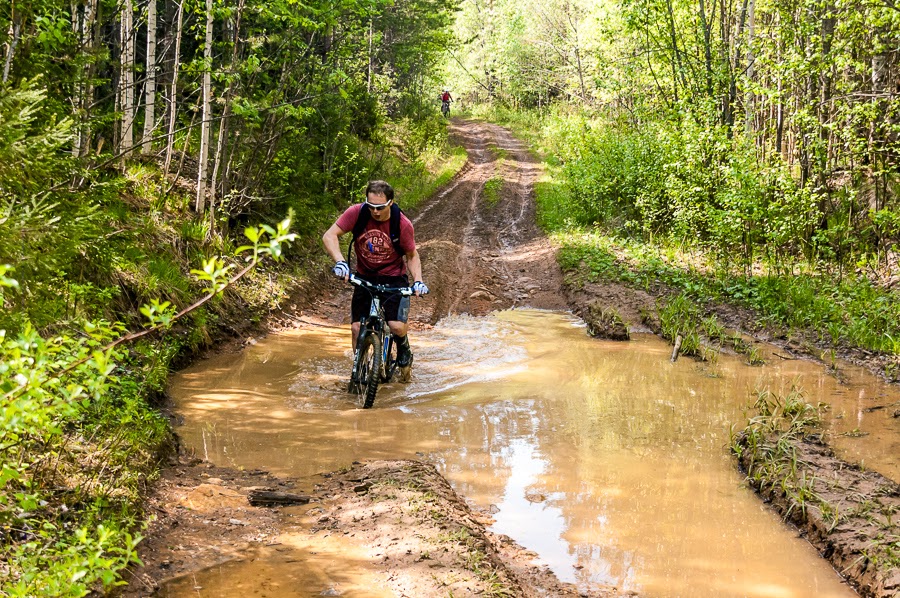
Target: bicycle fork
370	326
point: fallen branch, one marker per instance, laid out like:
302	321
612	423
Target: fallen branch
269	498
677	347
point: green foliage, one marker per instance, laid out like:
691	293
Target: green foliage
78	440
60	397
91	559
32	142
492	189
680	316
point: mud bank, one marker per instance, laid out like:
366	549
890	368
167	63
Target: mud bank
451	552
418	536
848	514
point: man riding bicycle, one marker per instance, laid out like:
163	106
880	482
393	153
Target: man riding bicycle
384	241
445	102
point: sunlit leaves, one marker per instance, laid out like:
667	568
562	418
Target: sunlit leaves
266	241
215	272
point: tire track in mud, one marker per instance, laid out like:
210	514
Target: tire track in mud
480	256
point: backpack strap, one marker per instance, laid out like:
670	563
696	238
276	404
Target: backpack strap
363	219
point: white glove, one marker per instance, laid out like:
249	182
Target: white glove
419	288
341	270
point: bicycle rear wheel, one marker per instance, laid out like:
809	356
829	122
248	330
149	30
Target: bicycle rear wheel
369	367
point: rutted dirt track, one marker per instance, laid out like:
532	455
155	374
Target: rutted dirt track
478	256
481	256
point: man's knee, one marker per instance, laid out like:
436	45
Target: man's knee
398	328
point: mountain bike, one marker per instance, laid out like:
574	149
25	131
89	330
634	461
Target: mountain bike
375	359
445	109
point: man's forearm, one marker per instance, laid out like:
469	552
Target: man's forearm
414	263
332	244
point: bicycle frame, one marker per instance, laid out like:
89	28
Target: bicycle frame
374	324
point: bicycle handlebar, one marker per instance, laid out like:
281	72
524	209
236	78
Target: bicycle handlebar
380	288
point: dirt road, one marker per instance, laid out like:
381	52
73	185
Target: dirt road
481	249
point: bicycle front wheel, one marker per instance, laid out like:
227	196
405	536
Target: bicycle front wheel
369	367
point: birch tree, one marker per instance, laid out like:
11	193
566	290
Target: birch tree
150	83
173	88
207	111
126	83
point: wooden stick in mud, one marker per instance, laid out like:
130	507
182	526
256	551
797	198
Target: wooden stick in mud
268	498
677	347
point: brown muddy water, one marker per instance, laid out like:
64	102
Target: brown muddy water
607	460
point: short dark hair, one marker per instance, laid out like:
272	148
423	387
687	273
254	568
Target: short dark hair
380	188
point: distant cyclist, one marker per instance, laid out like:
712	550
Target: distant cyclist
385	245
445	102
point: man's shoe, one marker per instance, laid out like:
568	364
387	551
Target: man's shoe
404	365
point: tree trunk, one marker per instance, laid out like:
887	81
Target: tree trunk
369	77
80	28
173	91
707	49
577	54
751	70
126	140
150	85
226	112
15	31
207	111
676	56
779	116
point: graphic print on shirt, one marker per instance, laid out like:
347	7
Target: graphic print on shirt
376	247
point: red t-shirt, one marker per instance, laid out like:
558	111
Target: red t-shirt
374	252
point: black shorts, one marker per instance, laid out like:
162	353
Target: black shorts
396	307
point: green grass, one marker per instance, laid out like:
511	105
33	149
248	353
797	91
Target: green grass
851	311
413	184
768	446
492	189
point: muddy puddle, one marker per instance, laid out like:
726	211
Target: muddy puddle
604	458
288	569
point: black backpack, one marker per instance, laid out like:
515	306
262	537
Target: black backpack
363	219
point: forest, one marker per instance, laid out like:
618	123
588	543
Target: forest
743	150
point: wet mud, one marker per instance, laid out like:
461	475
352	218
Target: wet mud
856	531
478	257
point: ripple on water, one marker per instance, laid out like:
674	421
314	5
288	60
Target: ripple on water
459	350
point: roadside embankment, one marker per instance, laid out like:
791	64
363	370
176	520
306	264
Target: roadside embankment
849	514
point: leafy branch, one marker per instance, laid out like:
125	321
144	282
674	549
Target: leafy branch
266	241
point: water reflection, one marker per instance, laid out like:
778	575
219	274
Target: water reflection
289	569
604	458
